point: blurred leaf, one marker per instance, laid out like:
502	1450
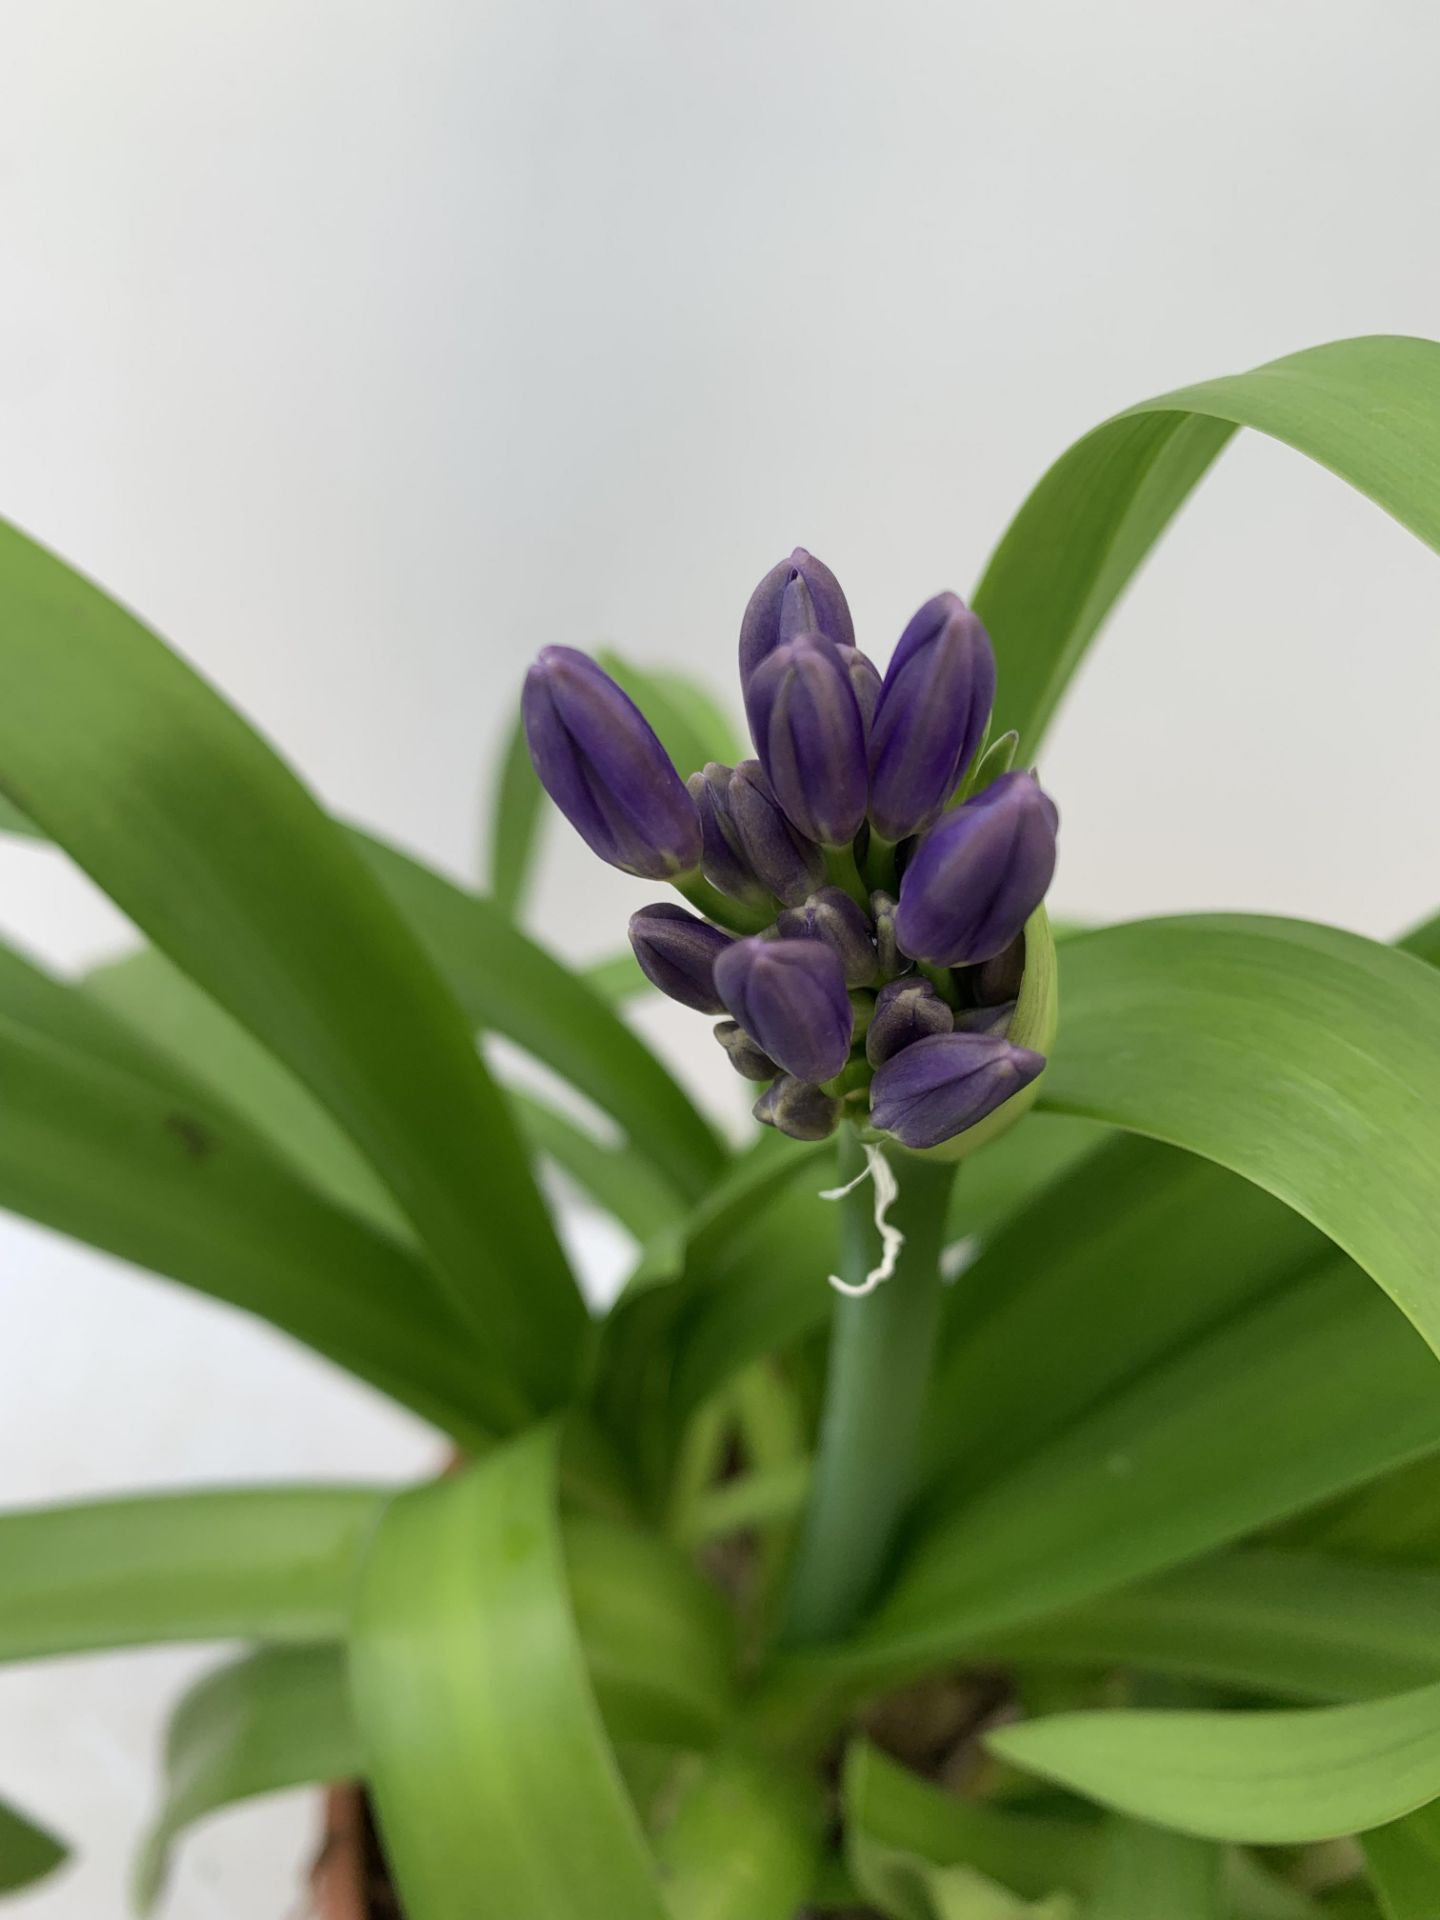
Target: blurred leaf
27	1852
1293	1624
1271	1778
274	1719
617	979
744	1842
519	809
492	1776
1404	1863
614	1177
1395	1519
1369	409
658	1639
692	725
1222	1034
272	1563
508	985
12	820
160	1181
171	803
1145	1869
899	1829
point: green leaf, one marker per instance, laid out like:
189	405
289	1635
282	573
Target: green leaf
516	817
12	820
1145	1869
658	1639
1293	1624
1404	1863
27	1852
900	1829
507	984
692	725
160	1181
274	1563
1306	1059
1317	1388
617	979
210	844
744	1842
1369	409
614	1177
491	1773
1270	1778
274	1719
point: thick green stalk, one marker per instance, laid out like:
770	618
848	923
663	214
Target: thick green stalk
881	1346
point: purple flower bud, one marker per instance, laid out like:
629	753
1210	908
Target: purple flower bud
599	760
905	1011
864	681
799	1108
722	861
832	916
788	864
811	739
978	875
677	952
940	1086
746	1058
790	996
938	692
800	595
998	980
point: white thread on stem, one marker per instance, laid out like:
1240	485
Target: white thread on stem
878	1168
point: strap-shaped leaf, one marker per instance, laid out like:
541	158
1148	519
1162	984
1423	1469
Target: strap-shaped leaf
149	1176
271	1563
1268	1778
507	984
1369	409
901	1830
1404	1863
744	1840
494	1783
274	1719
1291	1624
204	837
1320	1387
1147	1869
27	1852
1306	1059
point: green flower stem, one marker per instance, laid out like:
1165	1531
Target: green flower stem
943	981
881	1347
881	866
841	871
719	907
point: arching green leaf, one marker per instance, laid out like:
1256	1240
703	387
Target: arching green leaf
1369	409
1269	1778
27	1852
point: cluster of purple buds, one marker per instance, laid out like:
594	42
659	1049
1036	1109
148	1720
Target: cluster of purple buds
863	884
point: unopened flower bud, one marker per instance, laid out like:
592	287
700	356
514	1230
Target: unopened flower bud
906	1010
999	979
978	875
940	1086
747	1059
934	706
722	861
811	739
994	1019
864	680
798	1108
887	950
599	760
800	595
677	952
789	995
786	863
832	916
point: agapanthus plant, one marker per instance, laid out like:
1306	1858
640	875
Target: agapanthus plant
1075	1554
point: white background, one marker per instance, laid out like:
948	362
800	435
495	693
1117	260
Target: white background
367	347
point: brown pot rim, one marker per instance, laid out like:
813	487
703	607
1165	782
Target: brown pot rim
338	1878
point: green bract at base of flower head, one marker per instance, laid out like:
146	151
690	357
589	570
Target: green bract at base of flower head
899	971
